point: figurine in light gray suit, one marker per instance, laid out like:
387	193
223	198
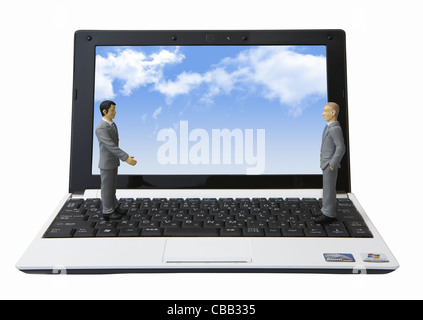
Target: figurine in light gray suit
110	154
331	153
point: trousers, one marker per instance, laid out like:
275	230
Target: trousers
329	192
108	190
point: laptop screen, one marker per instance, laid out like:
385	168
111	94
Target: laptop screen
214	110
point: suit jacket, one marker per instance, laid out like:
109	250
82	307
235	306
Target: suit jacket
108	140
333	147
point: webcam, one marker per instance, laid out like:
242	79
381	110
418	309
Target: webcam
212	37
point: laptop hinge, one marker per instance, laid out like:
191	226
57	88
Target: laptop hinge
342	195
92	193
77	194
89	193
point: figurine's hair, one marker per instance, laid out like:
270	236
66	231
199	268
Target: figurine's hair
105	105
334	106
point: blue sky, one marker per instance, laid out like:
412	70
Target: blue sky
278	89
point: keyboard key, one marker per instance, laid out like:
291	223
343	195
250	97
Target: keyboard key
129	232
192	223
272	232
64	232
70	217
151	232
336	230
292	232
170	224
253	232
73	204
344	203
84	233
148	224
355	224
360	232
213	224
127	224
105	224
234	224
315	232
107	232
72	224
95	217
231	232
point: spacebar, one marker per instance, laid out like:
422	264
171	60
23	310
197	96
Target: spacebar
191	232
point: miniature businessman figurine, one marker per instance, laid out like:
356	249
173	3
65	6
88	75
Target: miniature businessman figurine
110	154
331	153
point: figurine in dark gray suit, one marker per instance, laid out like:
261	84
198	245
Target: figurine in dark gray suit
331	153
110	154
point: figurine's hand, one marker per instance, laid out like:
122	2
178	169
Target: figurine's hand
131	161
331	169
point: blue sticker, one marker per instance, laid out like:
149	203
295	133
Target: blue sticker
339	257
374	257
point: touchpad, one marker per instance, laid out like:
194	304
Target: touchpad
207	250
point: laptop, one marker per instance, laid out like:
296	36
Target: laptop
226	128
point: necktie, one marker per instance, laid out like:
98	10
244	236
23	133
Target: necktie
114	127
324	131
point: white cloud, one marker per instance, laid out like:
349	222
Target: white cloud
133	68
280	73
275	73
103	86
287	75
218	81
184	83
157	112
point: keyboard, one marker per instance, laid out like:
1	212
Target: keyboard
194	217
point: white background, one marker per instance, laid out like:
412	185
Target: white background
384	56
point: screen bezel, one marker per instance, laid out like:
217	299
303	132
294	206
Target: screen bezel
86	41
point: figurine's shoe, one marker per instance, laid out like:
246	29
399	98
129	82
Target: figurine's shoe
112	216
122	212
322	219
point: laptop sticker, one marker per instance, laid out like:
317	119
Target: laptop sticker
339	257
374	257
